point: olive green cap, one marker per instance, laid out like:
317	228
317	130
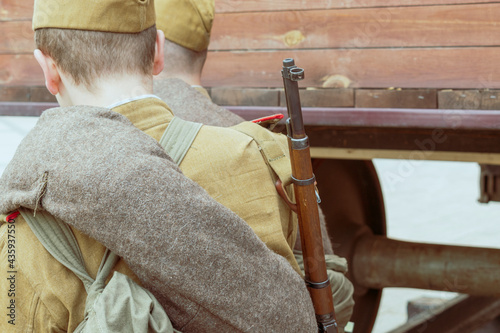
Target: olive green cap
122	16
186	22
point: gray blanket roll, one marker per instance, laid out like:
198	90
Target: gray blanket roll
93	169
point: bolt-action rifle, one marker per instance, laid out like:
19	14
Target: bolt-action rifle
307	199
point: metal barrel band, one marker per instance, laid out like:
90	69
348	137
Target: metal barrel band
288	64
317	285
299	144
327	318
326	323
286	72
303	182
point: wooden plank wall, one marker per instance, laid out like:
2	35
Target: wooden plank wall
358	44
379	53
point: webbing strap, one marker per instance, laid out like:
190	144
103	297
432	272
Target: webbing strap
57	237
270	148
178	138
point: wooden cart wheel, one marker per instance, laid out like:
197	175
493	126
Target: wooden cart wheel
353	205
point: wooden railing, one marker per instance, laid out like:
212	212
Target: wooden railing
363	133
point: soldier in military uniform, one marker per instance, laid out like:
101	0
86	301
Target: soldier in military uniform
105	56
187	26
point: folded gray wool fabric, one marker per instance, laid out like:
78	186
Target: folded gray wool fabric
189	104
93	169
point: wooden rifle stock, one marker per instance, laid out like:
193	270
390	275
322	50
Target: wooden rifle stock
306	198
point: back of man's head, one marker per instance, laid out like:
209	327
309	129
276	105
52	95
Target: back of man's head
92	39
187	25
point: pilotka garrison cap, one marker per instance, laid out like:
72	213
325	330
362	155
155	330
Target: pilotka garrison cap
186	22
125	16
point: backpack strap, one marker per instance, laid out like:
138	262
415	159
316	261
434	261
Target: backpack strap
270	148
123	307
178	138
57	237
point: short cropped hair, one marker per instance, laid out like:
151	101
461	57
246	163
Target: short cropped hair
88	55
181	60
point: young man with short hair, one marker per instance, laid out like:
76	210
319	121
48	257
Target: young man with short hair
187	27
91	168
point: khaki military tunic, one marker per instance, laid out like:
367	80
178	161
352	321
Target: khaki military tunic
229	166
48	296
227	163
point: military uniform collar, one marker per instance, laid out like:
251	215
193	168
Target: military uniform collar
201	90
145	112
133	99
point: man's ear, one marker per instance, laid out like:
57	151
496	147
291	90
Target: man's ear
50	71
159	53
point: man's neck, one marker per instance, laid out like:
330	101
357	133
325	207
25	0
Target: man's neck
106	91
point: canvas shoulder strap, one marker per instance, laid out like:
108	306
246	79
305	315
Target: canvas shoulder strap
270	148
178	138
57	237
137	309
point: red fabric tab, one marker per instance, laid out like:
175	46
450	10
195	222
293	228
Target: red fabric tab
275	116
12	216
